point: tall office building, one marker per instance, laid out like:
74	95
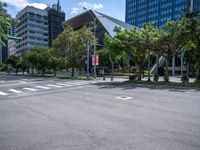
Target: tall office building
11	42
158	11
33	29
55	19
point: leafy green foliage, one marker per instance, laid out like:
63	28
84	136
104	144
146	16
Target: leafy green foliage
2	67
171	41
193	45
43	58
4	23
72	45
184	78
127	42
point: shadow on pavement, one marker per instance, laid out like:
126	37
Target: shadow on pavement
127	86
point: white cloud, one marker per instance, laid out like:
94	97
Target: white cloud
20	4
80	6
75	10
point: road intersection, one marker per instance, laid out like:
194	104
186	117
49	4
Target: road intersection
54	114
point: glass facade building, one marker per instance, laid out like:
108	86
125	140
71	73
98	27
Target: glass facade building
158	11
55	19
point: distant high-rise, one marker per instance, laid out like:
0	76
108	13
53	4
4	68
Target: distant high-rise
158	11
55	19
33	29
12	43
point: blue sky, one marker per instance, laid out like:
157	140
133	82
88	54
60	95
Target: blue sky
114	8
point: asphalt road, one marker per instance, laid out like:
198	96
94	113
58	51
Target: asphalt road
94	115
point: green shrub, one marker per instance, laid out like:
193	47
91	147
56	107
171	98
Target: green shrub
132	77
184	78
2	67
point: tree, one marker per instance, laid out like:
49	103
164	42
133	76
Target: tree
43	59
114	49
13	62
85	37
72	45
4	23
193	46
39	58
171	41
56	61
33	60
130	42
148	34
25	64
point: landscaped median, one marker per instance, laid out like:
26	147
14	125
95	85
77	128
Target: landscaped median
54	77
163	84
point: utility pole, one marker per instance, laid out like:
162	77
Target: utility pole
88	59
94	18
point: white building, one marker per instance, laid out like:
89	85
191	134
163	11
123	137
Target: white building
11	48
33	29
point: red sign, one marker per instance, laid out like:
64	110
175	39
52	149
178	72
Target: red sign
97	60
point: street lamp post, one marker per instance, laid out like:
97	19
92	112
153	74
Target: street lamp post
94	18
88	59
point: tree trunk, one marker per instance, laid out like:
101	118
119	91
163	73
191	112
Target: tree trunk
54	72
112	64
149	61
16	71
157	63
112	71
32	70
43	70
139	73
197	75
167	71
80	71
72	72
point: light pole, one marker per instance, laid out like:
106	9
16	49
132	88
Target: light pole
94	18
88	59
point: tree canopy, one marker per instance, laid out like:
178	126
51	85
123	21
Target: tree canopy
72	45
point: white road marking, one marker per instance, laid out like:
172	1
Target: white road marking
77	83
2	93
73	83
124	97
63	84
42	87
51	85
30	89
15	91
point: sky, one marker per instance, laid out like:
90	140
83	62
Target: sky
113	8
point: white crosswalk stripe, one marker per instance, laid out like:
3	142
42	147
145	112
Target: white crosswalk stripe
47	87
51	85
2	93
30	89
63	84
15	91
42	87
75	83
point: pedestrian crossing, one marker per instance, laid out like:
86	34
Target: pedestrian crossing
2	93
39	88
15	91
